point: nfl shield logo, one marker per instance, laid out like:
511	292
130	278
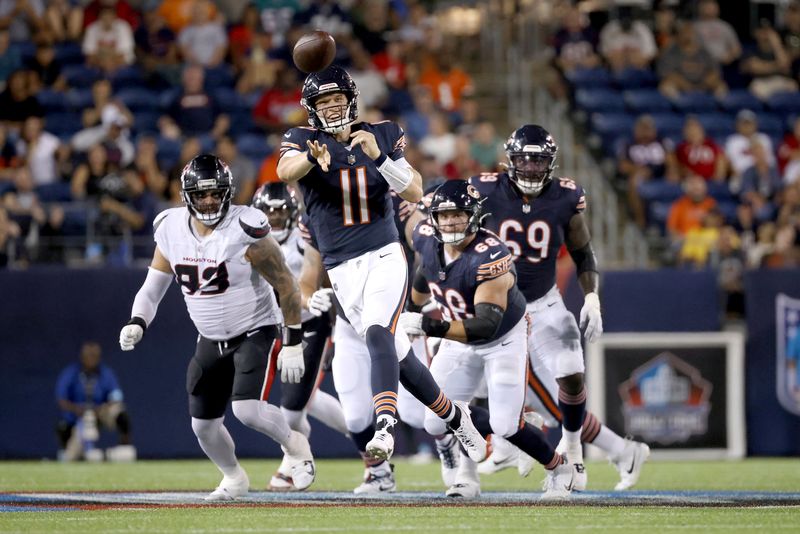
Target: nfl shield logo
787	323
351	159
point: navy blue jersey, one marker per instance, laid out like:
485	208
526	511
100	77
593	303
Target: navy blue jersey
453	286
532	228
348	207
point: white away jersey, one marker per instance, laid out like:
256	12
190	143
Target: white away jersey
225	296
293	249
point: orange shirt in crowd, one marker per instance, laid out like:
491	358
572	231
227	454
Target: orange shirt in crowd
178	13
268	173
447	89
685	214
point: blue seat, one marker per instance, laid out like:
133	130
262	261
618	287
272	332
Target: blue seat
635	79
55	192
612	125
138	99
771	125
669	124
219	77
80	76
68	53
127	78
660	191
784	103
76	219
695	102
721	192
146	122
64	123
728	210
52	100
658	213
166	98
605	100
242	123
253	146
717	124
169	152
228	100
79	99
646	101
738	99
590	78
26	49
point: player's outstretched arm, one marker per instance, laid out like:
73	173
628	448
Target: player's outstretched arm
296	165
146	302
266	257
579	243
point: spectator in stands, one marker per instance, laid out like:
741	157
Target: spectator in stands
729	262
700	155
447	83
190	148
42	151
760	184
440	141
699	242
790	32
391	63
9	238
241	36
242	169
461	164
113	133
156	48
738	146
64	20
279	107
686	66
22	203
122	9
86	179
193	112
126	204
372	22
9	159
88	394
664	22
688	211
46	71
145	164
10	58
260	65
431	170
101	97
575	45
416	121
486	147
373	91
785	254
627	43
108	43
204	41
24	19
646	157
763	246
17	102
789	155
717	36
789	206
326	15
768	64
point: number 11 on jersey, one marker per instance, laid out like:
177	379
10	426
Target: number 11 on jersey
361	189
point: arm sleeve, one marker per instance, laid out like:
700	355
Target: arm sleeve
62	385
149	296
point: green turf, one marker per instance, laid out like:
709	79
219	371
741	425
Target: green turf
763	475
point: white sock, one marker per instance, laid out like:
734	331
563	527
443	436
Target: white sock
609	441
263	417
217	443
572	441
297	420
326	408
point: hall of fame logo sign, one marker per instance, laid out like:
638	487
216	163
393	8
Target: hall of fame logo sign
666	401
787	350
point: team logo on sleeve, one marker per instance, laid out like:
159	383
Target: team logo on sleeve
471	191
787	326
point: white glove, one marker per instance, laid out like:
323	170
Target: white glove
130	335
591	320
291	364
412	323
320	302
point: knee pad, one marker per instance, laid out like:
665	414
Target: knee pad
503	425
402	344
246	411
297	421
379	340
434	425
205	428
569	363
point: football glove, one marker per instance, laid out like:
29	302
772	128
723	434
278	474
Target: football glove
412	323
320	302
291	364
591	320
131	334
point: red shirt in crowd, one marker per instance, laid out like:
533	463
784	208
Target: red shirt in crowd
699	159
278	107
789	145
124	11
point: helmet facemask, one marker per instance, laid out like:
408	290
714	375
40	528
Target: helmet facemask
531	172
208	205
347	113
280	219
454	231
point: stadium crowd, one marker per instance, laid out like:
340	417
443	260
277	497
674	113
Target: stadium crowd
104	103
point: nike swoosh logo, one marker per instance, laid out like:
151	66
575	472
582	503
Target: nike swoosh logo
309	334
633	464
252	333
551	304
493	256
287	135
384	255
506	343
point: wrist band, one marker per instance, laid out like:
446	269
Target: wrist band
292	335
139	321
398	177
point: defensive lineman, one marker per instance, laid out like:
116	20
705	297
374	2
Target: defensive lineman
226	263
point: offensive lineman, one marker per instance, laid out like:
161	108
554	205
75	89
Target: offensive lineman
226	263
533	213
345	171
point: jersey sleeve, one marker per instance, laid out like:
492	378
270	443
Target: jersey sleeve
293	142
485	182
422	231
493	260
573	193
254	225
391	139
160	234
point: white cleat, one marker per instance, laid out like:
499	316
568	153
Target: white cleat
559	483
282	479
450	457
501	458
377	479
381	446
300	461
464	490
468	435
230	488
525	464
630	463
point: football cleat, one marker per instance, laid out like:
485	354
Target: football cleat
630	463
504	455
559	482
282	479
468	435
464	490
230	488
381	446
300	461
377	479
582	477
449	455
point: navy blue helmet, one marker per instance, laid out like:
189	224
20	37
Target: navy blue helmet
205	175
280	205
531	153
331	80
455	195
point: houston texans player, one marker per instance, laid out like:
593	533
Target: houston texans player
227	265
345	171
534	213
470	274
280	205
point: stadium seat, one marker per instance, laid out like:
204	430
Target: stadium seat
253	146
242	123
660	191
771	125
76	219
604	100
169	152
138	99
738	99
695	102
81	76
728	210
52	100
658	213
590	78
218	77
635	79
669	125
146	122
68	53
721	192
55	192
646	101
229	100
26	49
612	125
717	124
79	99
61	124
784	103
127	78
166	98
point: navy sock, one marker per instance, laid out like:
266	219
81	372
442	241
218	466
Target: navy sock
573	409
418	380
385	371
480	418
528	438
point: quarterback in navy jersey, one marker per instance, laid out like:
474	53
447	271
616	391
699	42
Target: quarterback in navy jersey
470	274
535	213
345	171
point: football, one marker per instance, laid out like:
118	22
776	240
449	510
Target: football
314	51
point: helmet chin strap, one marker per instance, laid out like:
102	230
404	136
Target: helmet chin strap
280	235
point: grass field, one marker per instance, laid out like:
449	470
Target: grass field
751	475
